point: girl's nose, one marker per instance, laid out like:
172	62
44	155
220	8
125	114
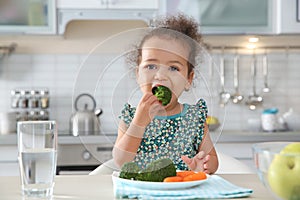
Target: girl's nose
161	73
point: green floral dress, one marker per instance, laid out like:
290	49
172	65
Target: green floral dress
170	136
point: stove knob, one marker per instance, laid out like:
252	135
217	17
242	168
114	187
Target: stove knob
86	155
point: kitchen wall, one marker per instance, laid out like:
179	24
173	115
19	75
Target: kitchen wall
106	75
113	84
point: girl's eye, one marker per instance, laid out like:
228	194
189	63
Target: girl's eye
151	66
174	68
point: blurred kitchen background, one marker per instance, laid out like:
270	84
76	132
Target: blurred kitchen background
67	48
58	72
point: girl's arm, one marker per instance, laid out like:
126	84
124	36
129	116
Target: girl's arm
127	143
206	159
211	162
129	137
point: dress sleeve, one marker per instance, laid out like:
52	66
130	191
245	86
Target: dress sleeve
202	108
202	114
127	114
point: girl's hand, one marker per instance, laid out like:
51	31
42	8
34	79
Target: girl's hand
147	108
198	162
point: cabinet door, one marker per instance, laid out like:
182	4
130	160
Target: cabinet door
113	4
9	169
133	4
230	16
28	17
80	4
290	16
9	160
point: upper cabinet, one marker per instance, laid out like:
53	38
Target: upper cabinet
290	16
106	4
215	16
230	16
69	10
27	17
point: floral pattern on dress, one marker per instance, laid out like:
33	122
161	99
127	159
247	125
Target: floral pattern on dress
170	136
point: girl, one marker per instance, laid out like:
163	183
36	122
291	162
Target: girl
166	56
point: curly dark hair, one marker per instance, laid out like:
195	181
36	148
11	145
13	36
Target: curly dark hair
179	27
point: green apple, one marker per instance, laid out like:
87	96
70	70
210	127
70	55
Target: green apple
212	120
284	172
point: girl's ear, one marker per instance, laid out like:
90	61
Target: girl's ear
189	81
137	73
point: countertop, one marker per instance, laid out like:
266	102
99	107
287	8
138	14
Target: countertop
219	136
246	136
87	187
11	139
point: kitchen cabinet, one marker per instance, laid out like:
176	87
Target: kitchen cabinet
105	10
133	4
230	16
28	17
238	144
76	155
79	4
107	4
9	160
240	151
290	16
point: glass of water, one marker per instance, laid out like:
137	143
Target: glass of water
37	145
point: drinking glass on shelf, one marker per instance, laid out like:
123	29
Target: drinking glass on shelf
37	146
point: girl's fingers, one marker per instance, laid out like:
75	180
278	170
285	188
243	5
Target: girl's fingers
206	158
150	99
200	155
190	162
197	163
147	96
205	166
186	159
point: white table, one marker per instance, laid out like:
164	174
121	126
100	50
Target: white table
100	187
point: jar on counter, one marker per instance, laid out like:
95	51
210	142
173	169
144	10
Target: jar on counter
23	100
269	120
22	116
33	115
15	97
44	99
44	115
33	101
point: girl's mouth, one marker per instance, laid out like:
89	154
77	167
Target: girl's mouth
163	94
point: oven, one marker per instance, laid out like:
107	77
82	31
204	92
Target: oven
81	158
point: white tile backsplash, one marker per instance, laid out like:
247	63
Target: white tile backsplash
112	83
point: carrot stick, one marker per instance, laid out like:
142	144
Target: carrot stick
195	177
173	179
185	173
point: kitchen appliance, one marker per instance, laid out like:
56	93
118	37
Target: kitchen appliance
83	154
85	121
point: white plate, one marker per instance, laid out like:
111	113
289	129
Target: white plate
156	185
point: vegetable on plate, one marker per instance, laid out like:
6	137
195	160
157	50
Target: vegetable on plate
155	171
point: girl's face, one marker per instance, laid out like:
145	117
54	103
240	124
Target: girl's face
164	62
